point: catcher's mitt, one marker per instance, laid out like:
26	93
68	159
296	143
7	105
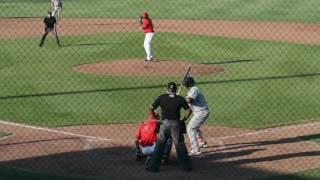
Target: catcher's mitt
140	20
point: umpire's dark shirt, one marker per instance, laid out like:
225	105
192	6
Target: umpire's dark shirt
49	21
170	106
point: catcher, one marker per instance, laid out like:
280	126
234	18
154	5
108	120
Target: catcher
49	26
146	138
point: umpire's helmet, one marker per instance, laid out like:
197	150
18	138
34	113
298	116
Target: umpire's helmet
172	87
189	82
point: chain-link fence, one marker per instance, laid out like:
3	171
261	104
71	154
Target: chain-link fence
78	78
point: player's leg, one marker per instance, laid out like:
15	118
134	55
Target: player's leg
203	117
54	13
194	131
156	157
57	37
43	38
150	45
182	152
167	150
58	14
147	45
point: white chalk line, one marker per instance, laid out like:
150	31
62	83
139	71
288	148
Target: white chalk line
265	131
219	139
55	131
5	137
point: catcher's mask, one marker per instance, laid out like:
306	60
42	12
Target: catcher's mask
172	87
189	82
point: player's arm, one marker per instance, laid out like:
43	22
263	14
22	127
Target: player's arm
187	114
55	24
145	23
154	105
192	94
189	99
138	134
187	109
45	22
152	109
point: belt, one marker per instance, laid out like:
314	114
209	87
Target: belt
170	121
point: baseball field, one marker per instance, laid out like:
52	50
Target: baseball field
71	112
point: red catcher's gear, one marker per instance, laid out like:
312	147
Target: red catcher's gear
147	25
146	134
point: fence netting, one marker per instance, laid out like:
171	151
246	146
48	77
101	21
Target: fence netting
75	92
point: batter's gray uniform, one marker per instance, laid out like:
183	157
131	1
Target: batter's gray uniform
200	115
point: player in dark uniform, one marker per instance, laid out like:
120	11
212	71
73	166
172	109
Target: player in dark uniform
170	104
49	26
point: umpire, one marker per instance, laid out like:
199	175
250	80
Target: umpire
50	25
170	104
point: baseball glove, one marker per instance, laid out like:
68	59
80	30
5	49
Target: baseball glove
140	20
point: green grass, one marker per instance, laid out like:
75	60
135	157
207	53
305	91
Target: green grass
3	134
269	83
312	174
256	10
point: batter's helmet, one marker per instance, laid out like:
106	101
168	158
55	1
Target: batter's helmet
172	87
189	82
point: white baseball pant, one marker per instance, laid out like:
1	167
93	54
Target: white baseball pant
148	44
56	13
193	128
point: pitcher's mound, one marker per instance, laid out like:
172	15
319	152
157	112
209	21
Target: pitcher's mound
138	67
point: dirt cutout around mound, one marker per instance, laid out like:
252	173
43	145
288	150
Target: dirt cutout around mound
138	67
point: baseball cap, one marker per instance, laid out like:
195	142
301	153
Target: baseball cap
145	14
172	87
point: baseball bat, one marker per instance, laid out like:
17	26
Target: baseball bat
184	77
